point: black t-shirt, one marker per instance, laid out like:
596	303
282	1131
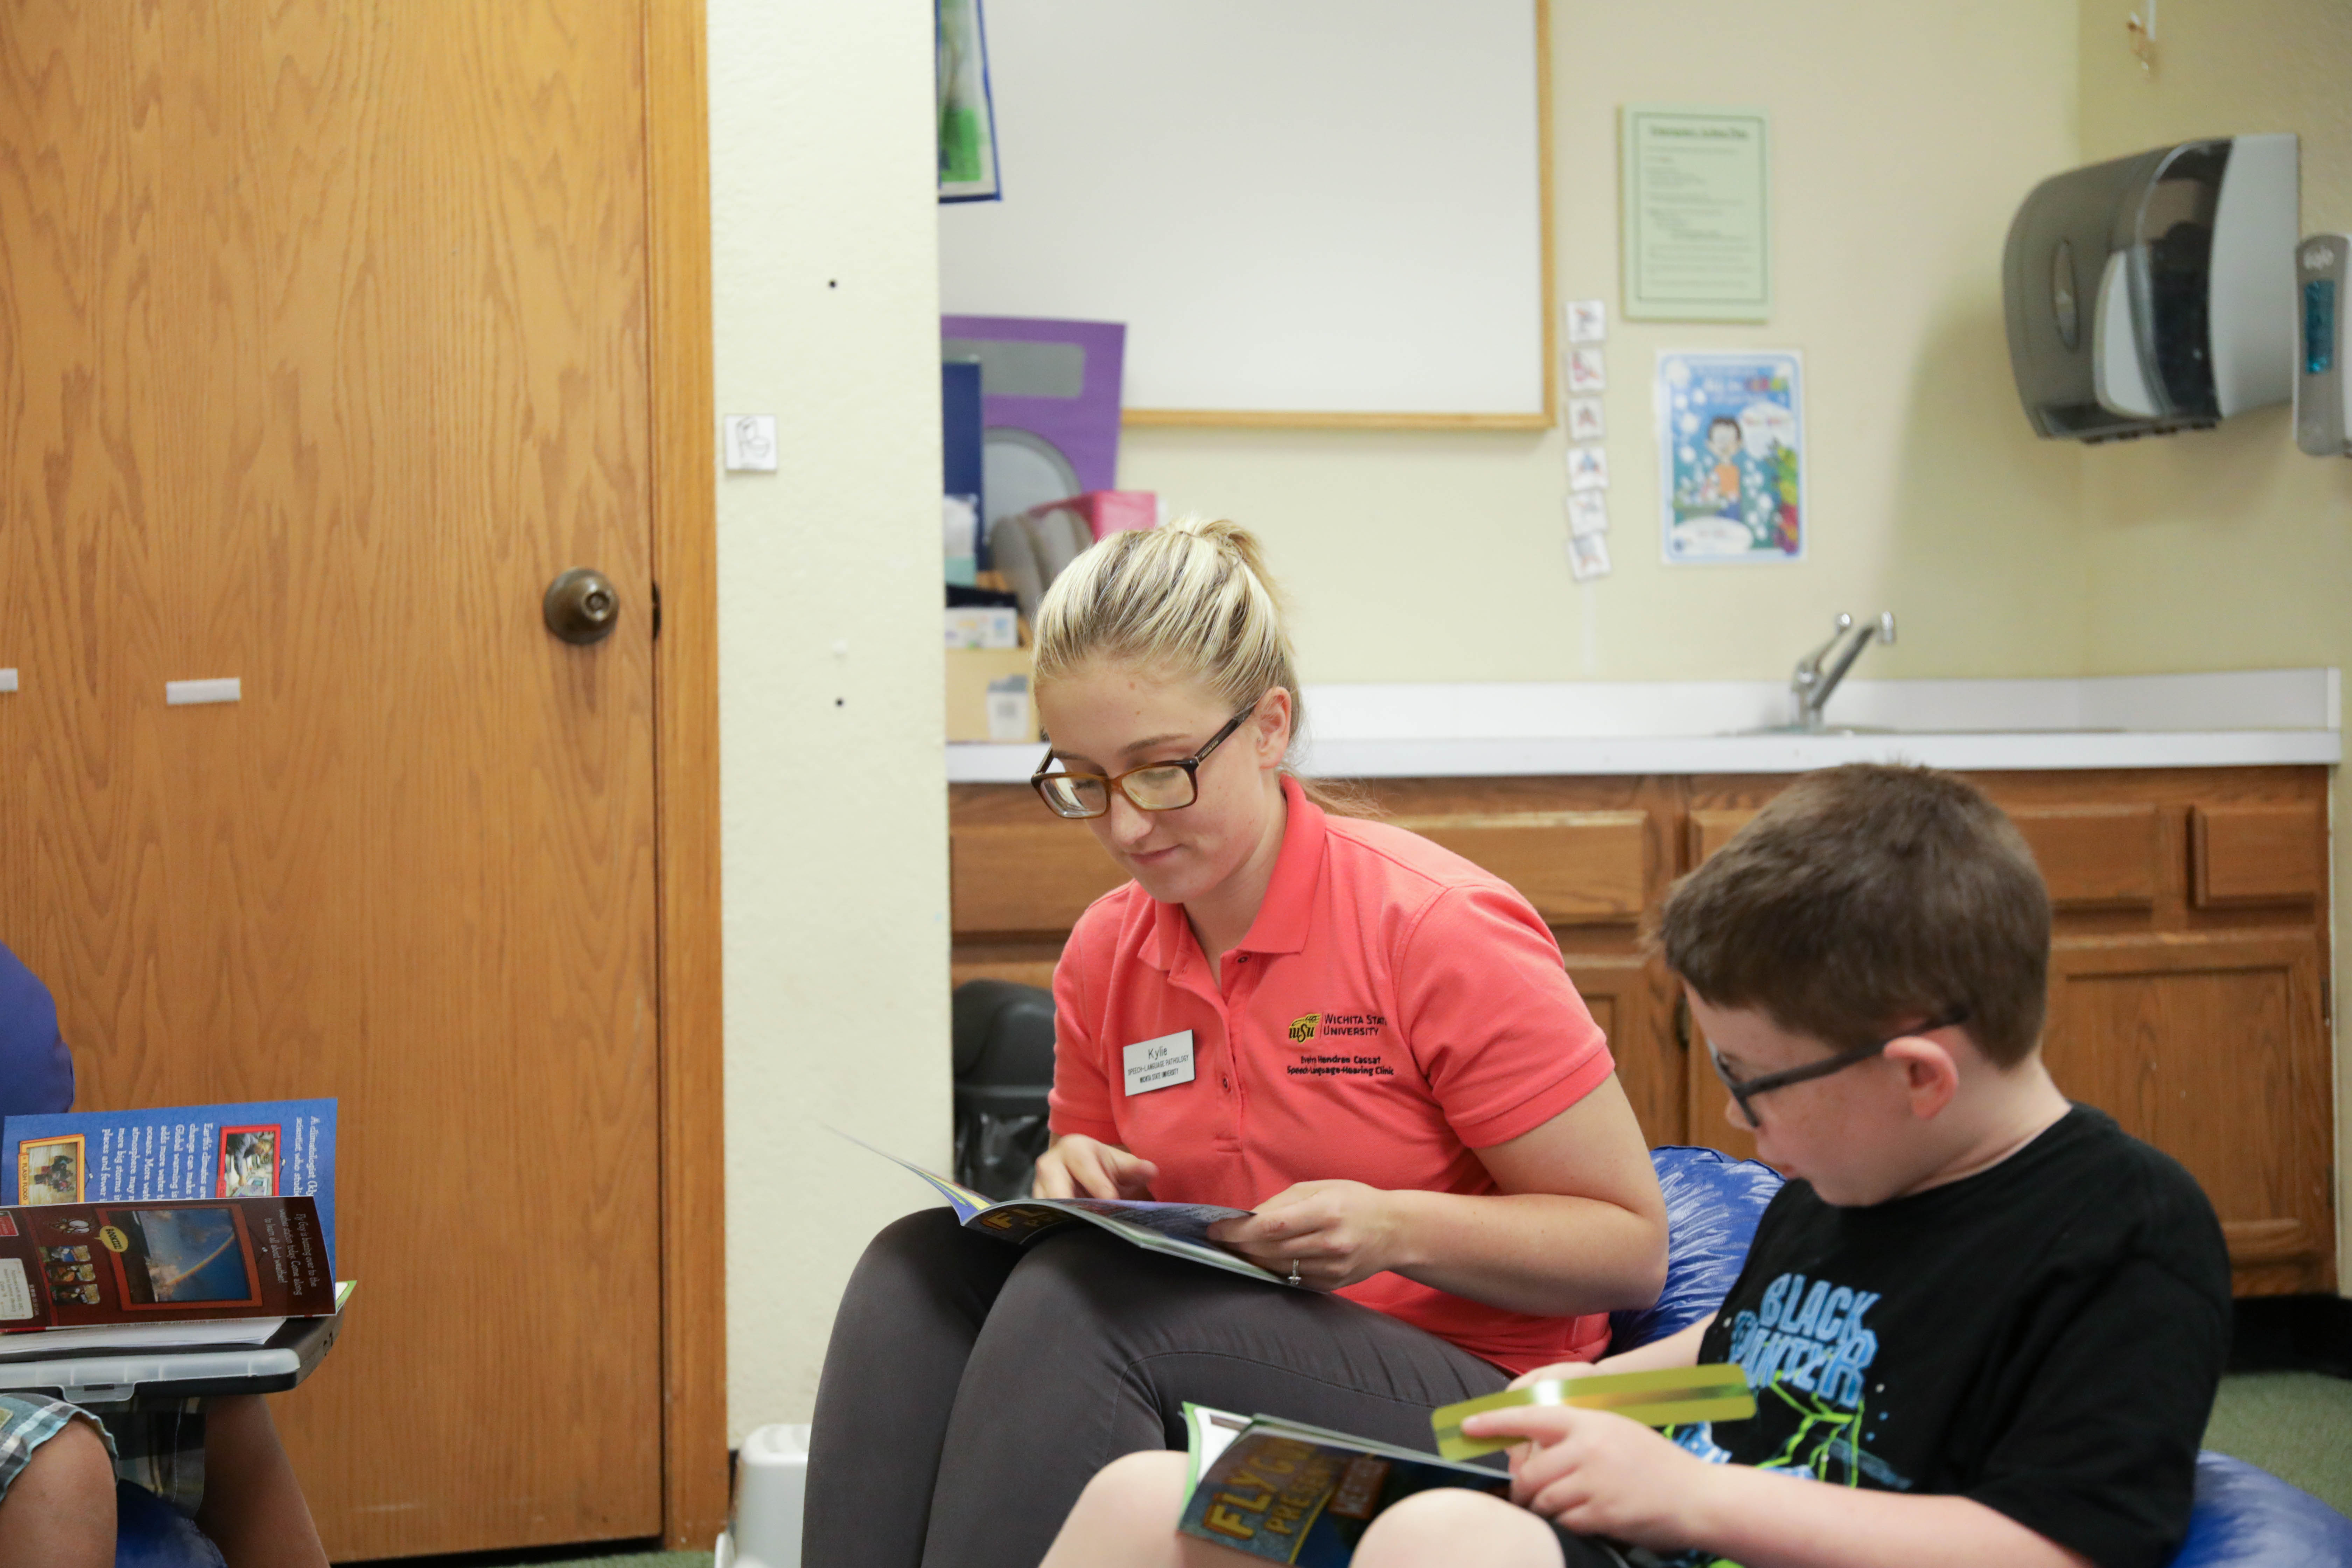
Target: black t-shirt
2043	1337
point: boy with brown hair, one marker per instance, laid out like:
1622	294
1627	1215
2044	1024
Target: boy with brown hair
1991	1321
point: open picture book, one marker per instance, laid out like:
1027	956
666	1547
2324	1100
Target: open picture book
1288	1492
1175	1230
197	1227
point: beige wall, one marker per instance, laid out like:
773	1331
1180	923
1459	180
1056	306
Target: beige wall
2227	548
1905	135
824	253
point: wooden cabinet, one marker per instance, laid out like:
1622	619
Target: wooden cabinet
2189	974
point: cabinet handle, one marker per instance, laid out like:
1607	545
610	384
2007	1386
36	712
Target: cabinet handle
1682	1020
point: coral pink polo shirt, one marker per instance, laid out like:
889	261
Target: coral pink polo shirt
1392	1010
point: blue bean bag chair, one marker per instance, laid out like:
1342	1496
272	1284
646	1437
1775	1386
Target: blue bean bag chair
2245	1516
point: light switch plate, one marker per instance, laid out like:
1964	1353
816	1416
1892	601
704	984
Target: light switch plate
751	442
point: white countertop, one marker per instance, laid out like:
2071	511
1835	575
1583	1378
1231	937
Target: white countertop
2254	717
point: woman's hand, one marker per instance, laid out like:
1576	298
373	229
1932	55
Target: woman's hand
1078	1166
1332	1233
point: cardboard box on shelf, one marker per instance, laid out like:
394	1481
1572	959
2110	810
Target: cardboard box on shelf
989	695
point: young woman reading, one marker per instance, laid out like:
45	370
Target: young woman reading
1359	1036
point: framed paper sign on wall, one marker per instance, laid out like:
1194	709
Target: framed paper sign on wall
1327	213
1697	221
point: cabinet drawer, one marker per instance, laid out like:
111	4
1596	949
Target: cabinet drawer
1577	867
2093	857
1709	830
2256	855
1025	876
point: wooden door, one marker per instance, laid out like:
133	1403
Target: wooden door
322	350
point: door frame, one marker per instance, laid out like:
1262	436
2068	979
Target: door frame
686	776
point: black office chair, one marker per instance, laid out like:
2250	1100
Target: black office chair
1003	1067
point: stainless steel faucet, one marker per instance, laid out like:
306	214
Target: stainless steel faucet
1812	685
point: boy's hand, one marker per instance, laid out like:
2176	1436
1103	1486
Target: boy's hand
1333	1233
1078	1166
1598	1473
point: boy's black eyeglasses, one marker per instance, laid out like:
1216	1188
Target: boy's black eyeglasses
1744	1090
1155	786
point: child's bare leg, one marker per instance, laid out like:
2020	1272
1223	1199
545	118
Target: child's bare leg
1126	1518
1449	1525
253	1507
59	1510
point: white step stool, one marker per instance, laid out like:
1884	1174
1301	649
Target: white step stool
771	1476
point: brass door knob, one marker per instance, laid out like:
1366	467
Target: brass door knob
581	607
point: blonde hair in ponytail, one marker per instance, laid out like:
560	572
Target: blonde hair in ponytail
1190	600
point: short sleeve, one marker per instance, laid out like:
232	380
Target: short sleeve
2102	1457
1080	1101
36	1073
1492	1018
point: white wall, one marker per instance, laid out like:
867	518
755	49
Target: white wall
825	305
2229	549
1905	135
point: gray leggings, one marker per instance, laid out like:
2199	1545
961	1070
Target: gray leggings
973	1388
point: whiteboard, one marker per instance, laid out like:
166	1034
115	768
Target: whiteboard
1305	211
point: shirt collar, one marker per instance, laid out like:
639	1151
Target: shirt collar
1285	914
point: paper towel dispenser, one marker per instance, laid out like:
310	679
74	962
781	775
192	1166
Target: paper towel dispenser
2155	292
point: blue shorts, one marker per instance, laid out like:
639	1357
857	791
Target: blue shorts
162	1450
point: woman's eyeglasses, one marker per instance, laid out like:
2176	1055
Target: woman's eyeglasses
1155	786
1746	1089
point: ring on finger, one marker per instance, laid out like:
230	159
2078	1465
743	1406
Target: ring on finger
1294	1279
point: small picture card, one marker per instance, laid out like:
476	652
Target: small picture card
1587	371
1588	512
1588	321
1585	419
1588	556
1588	468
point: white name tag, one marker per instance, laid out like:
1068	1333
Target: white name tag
1157	1064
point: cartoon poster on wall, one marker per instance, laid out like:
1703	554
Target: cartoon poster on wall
1731	479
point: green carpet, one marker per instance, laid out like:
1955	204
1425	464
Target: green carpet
2295	1424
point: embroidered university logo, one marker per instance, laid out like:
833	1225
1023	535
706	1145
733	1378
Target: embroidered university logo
1303	1029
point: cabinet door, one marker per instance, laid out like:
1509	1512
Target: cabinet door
2212	1049
1632	1001
1708	1124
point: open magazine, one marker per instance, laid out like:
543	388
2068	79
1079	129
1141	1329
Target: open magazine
1176	1230
263	1171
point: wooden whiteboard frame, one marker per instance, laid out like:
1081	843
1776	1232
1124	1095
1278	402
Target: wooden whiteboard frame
1302	419
1544	418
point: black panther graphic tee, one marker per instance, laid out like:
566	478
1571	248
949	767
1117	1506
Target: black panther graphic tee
2043	1337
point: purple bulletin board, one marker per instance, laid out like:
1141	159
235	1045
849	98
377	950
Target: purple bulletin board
1058	381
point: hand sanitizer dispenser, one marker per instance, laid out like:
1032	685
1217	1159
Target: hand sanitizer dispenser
2155	292
2321	367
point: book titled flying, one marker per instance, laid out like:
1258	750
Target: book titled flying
72	1265
1283	1492
264	1149
1175	1230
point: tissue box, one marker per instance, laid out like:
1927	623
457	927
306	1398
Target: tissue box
1107	512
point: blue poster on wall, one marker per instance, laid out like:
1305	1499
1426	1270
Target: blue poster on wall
1731	468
